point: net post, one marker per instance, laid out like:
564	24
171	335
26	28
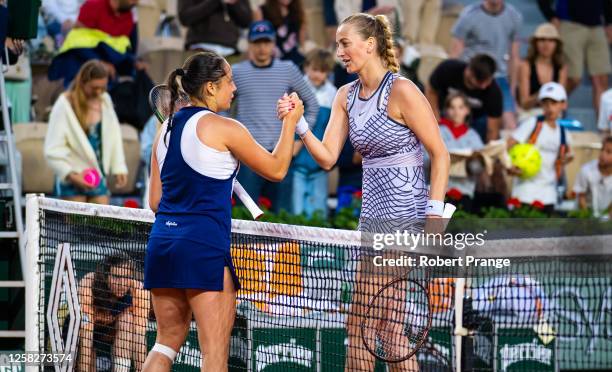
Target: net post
32	275
459	330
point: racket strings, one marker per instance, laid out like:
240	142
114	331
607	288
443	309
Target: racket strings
161	101
397	321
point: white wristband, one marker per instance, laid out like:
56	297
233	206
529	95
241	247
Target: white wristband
434	208
302	127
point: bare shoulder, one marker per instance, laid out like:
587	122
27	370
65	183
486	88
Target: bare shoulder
524	65
342	94
227	125
343	90
404	91
220	123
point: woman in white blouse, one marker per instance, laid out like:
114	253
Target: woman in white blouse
84	135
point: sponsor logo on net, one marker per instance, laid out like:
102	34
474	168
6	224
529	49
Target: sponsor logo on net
283	353
534	351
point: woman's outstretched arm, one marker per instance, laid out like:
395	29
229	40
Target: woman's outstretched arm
327	151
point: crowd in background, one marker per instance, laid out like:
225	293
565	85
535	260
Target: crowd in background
485	94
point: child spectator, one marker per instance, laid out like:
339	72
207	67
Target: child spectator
310	180
458	136
594	182
551	140
287	17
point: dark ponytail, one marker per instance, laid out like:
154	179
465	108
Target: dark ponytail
197	70
173	84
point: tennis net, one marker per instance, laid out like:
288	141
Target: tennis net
304	290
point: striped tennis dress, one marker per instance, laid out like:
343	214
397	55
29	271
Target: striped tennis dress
394	187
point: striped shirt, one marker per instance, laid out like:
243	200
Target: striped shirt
258	89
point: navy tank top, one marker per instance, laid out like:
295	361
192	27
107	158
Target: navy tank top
193	206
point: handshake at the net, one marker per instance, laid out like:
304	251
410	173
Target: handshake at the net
290	106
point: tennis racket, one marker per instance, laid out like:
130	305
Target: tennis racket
398	316
397	320
159	100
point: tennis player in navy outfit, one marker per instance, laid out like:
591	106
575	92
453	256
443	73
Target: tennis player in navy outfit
195	158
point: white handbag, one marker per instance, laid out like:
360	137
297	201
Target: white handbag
21	70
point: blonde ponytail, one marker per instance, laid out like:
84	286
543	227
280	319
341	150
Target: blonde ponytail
379	28
385	43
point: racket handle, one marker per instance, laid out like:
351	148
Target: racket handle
246	199
449	209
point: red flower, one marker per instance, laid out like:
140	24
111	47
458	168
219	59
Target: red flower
233	201
537	204
454	194
131	203
265	202
513	203
358	194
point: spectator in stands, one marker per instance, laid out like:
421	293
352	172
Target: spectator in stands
116	18
60	17
12	48
84	133
475	80
147	136
552	142
260	81
309	179
350	177
114	311
287	17
604	120
214	25
104	30
492	27
421	20
594	182
113	17
544	63
581	25
407	71
457	135
331	22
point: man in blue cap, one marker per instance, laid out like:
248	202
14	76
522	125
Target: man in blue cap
261	81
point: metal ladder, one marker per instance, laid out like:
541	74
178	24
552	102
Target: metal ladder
7	139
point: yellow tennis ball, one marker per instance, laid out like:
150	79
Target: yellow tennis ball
527	158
